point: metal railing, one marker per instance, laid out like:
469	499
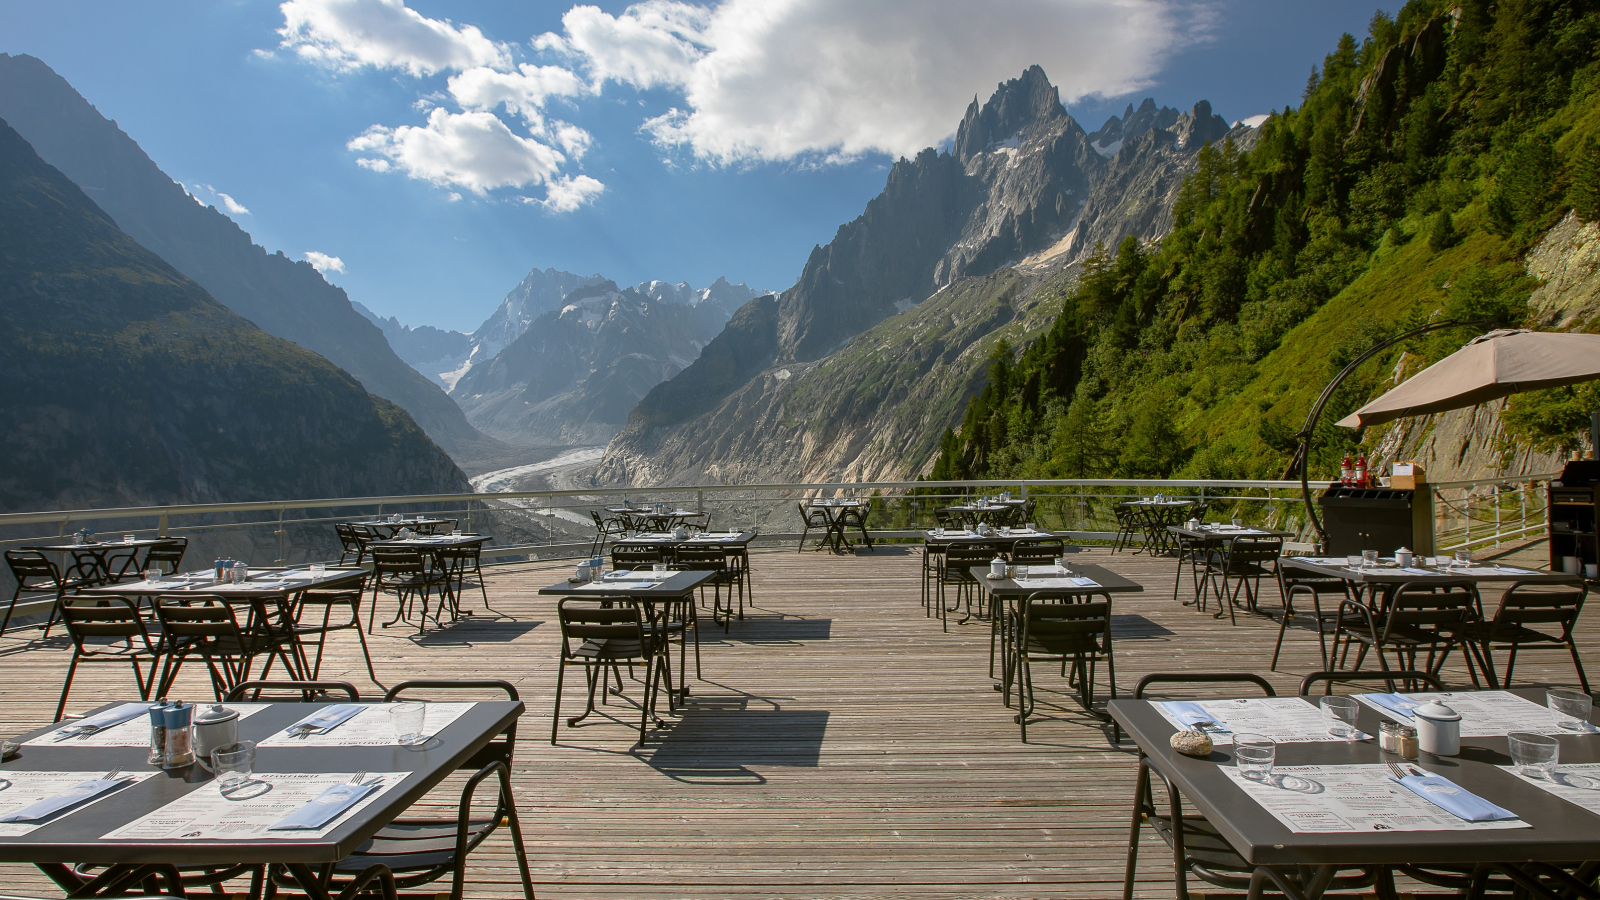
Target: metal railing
557	523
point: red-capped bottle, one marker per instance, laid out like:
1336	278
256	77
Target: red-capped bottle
1361	471
1347	472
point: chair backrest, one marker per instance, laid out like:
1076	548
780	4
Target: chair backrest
167	555
1197	510
461	553
1541	604
333	596
191	616
1065	625
503	748
634	557
118	619
699	559
1037	551
1254	551
959	558
396	561
1442	606
1301	581
616	619
1328	678
810	514
944	518
26	564
347	536
292	691
600	525
1202	678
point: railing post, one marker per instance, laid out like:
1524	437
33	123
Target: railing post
283	541
161	525
700	501
1497	515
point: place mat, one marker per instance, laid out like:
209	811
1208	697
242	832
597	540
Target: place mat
1063	583
1338	561
133	733
1483	713
21	789
248	812
601	587
632	575
1286	720
1576	783
1350	799
371	728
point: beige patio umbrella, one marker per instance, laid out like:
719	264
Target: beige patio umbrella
1498	364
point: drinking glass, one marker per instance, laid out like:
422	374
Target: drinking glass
152	574
1463	557
1238	522
1021	573
1028	526
234	764
1254	754
658	568
127	539
318	569
1534	755
1061	563
1339	714
1353	562
1570	709
407	720
1369	558
455	532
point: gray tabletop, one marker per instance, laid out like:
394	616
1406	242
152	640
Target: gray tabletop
665	539
443	541
99	546
967	537
1214	533
75	837
335	577
677	584
1105	582
1390	573
1561	831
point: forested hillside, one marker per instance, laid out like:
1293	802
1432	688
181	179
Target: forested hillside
1422	165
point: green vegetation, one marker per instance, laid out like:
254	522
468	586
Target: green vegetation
1422	165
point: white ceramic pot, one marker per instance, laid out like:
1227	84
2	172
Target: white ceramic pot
1438	729
214	726
997	567
1403	558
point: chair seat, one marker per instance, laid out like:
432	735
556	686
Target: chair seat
1202	843
610	649
1510	633
1064	645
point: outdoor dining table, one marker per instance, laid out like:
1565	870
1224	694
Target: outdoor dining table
1153	517
1003	537
985	511
648	518
91	558
388	528
1077	581
1195	545
1560	832
434	547
82	834
838	523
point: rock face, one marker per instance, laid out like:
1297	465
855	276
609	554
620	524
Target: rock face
124	383
286	298
1024	190
541	291
573	374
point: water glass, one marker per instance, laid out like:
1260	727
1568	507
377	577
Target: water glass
1353	562
1570	709
153	574
318	569
1021	572
1254	755
234	764
1369	558
408	720
659	568
127	539
1238	522
1028	526
1534	755
1339	714
455	532
1464	557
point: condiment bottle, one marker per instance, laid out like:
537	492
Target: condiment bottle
1361	471
158	733
1346	471
179	750
1408	742
1438	728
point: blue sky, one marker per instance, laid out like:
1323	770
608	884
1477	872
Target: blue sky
439	150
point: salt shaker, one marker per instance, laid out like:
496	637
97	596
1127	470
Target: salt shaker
179	750
158	733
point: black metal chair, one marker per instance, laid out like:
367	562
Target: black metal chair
1068	630
1510	629
598	634
262	691
35	574
460	562
1389	678
1037	552
709	559
1292	582
403	572
856	517
205	626
420	850
167	556
604	527
1238	568
1414	618
114	633
810	517
635	557
309	632
353	539
958	561
1127	523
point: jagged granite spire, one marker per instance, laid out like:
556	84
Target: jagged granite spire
1014	105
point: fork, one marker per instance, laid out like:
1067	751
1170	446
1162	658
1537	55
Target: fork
1394	768
112	775
357	777
79	731
302	729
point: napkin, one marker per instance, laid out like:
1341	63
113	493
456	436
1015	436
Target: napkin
1445	794
114	716
73	796
328	718
326	806
1396	703
1188	712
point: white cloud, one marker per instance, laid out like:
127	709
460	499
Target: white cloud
349	34
569	192
471	150
777	79
523	92
324	263
230	205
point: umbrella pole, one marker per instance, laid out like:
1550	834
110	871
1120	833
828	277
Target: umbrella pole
1302	454
1594	435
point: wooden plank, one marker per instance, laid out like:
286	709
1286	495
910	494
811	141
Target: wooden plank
840	744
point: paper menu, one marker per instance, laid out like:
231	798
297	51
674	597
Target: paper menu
371	728
247	813
1284	719
27	788
618	585
1349	799
1483	713
1576	783
133	733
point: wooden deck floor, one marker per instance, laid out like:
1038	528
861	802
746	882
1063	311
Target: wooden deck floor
839	746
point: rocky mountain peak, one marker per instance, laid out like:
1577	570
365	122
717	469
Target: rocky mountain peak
1015	105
